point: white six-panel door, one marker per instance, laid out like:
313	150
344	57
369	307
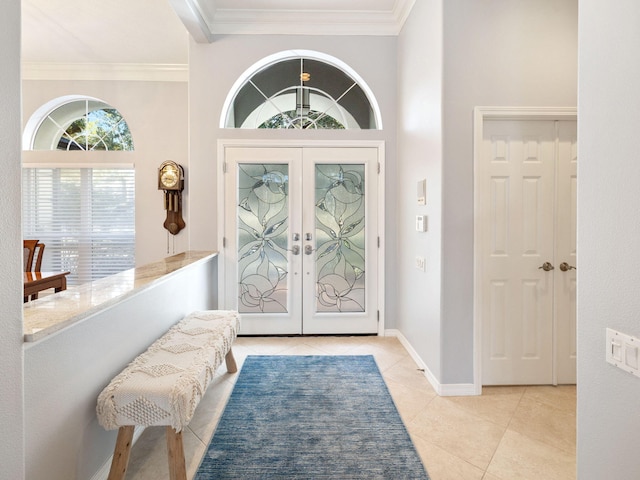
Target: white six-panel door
527	222
301	239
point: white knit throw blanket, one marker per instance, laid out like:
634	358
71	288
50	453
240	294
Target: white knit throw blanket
164	385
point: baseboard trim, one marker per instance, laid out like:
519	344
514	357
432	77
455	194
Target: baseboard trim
103	472
442	389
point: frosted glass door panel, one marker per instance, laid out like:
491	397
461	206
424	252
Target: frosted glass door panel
340	238
263	230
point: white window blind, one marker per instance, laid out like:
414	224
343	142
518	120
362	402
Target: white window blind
84	216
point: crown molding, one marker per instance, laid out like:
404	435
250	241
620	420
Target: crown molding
106	72
204	23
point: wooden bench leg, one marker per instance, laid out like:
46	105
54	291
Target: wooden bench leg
175	450
121	453
231	362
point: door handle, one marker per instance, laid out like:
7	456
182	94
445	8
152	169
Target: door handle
308	249
546	266
565	267
295	249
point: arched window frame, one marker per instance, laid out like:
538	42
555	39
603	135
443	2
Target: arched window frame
35	124
227	109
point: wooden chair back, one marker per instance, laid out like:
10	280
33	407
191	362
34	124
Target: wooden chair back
29	251
33	251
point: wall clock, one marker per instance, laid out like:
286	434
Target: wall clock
171	180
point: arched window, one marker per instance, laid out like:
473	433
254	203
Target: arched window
80	205
77	123
303	90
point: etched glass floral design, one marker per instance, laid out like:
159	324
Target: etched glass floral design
263	210
340	238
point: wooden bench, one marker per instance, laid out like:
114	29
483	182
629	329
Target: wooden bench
164	385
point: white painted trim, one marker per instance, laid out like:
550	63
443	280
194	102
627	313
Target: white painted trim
55	164
106	72
223	144
480	114
194	19
103	472
381	229
442	389
310	22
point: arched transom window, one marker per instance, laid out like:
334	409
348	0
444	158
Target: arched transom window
301	90
75	123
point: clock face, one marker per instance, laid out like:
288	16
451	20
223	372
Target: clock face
169	176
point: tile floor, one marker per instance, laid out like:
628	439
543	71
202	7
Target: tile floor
508	433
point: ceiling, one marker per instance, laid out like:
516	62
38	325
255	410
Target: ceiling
156	31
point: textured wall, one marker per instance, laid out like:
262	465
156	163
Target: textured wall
608	233
11	379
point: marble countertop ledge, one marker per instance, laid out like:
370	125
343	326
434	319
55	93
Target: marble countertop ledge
52	313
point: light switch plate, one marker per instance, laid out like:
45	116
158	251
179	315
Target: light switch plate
623	351
421	223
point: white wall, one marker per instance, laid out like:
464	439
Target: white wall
156	112
11	358
65	373
608	233
420	157
496	53
213	70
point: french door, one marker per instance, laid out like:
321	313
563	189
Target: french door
527	282
301	239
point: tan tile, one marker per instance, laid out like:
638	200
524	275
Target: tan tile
488	476
499	390
410	400
441	465
405	371
210	409
519	457
561	396
335	345
545	423
149	459
497	408
457	431
268	345
302	349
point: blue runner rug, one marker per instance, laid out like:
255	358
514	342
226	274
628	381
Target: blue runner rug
310	417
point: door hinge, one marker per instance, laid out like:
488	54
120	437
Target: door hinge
378	167
224	242
378	242
378	315
224	167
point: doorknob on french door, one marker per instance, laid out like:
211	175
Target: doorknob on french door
308	249
546	266
565	267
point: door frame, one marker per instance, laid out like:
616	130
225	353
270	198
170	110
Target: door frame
223	144
480	115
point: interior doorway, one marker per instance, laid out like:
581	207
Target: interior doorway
301	234
525	247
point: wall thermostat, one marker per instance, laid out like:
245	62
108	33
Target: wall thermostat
421	223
